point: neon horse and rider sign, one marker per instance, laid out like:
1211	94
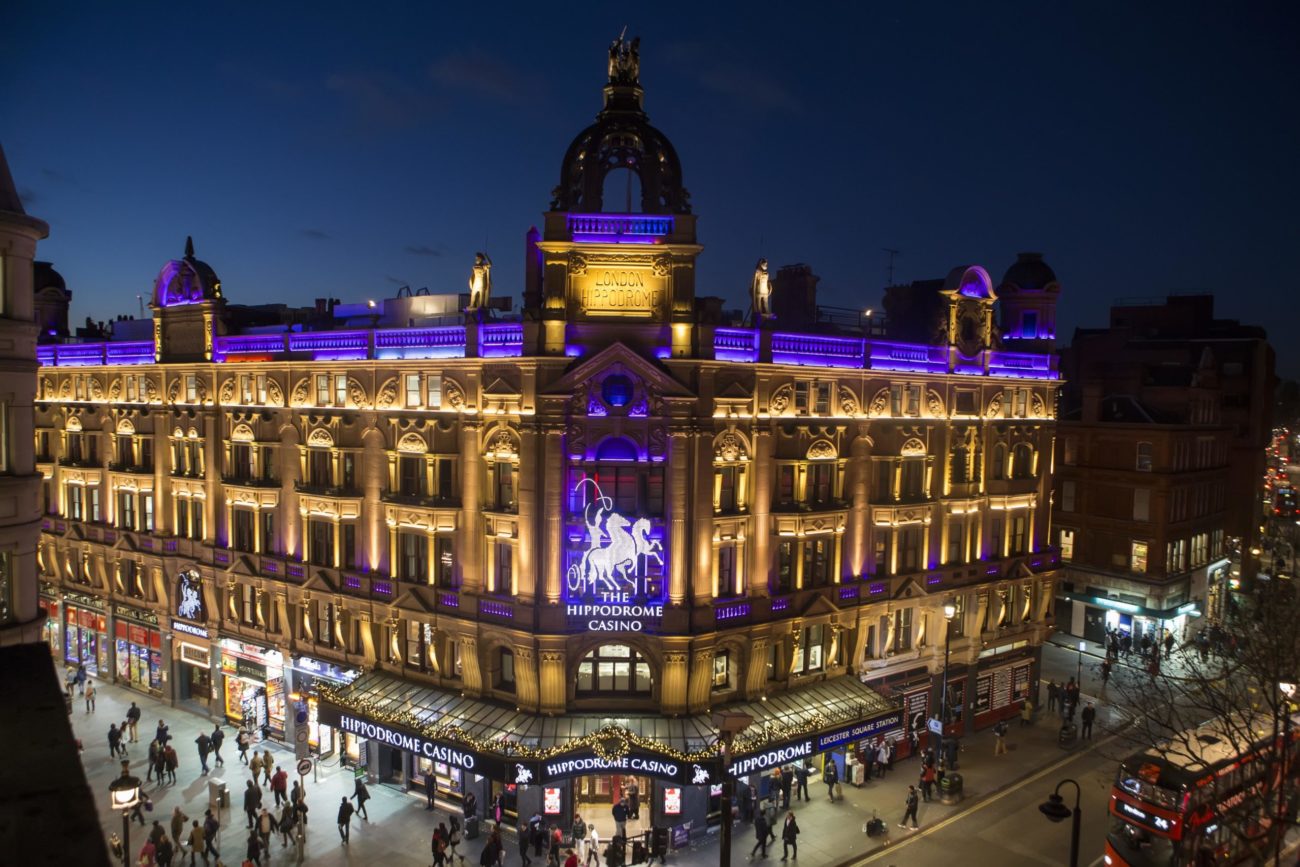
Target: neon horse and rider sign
614	583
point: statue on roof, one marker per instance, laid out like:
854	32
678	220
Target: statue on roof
760	290
480	282
625	60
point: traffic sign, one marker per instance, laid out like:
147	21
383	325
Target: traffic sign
936	726
304	767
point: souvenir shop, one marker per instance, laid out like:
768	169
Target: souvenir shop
193	662
323	740
137	644
253	687
85	633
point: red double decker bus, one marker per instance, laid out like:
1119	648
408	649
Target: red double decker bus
1170	809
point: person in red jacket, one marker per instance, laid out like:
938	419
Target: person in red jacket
280	786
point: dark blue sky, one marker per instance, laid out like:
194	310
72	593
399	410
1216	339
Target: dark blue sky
345	149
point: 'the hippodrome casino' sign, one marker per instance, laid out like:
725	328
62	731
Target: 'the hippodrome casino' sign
614	583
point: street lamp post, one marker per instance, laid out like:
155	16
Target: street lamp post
729	724
1055	809
124	794
1287	688
1083	645
949	612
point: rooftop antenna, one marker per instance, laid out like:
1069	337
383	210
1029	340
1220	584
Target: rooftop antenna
139	299
892	255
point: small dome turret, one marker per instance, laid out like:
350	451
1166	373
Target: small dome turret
186	281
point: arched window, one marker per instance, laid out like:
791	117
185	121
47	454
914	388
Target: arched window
621	193
999	462
616	449
1022	461
613	669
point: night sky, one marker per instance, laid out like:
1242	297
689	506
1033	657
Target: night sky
344	150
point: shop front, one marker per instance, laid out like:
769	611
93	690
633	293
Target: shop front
52	630
253	687
137	645
85	634
323	740
1093	617
193	663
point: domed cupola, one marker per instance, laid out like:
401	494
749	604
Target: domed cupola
186	281
188	309
622	138
1028	296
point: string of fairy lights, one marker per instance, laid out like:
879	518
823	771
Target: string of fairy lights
609	743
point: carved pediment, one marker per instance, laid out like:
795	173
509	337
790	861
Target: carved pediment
909	589
655	377
819	605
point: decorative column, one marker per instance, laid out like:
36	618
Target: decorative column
857	535
756	668
553	497
526	559
704	589
471	677
554	684
526	683
469	538
760	471
374	467
672	682
701	683
678	466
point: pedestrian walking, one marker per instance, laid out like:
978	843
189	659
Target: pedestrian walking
159	764
438	845
1053	695
162	735
928	776
205	746
210	828
831	777
1027	713
789	837
114	740
1089	714
910	812
1000	738
265	827
197	843
217	738
633	800
267	764
280	786
361	794
132	720
801	772
882	757
252	802
164	851
571	858
469	806
579	832
1105	673
345	820
255	765
172	761
787	785
254	850
430	789
241	741
525	843
619	812
760	835
285	825
178	824
89	693
593	846
454	836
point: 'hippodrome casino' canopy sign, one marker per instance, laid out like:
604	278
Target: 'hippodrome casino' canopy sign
521	771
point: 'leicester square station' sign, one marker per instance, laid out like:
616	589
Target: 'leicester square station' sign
803	748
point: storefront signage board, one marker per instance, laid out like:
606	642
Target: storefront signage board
327	670
804	748
644	762
189	629
621	290
455	755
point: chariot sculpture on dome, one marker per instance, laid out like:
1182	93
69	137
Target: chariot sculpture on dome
761	291
480	282
625	60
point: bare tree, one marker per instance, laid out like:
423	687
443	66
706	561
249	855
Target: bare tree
1220	700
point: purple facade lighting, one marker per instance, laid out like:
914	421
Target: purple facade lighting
817	351
907	357
735	344
780	603
443	342
733	611
849	592
878	588
496	609
449	600
619	228
505	340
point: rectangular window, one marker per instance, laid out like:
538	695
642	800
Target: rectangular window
412	390
241	461
784	566
412	553
443	562
191	389
322	389
146	512
324	623
816	562
433	382
1029	325
996	542
1141	504
913	395
349	545
815	639
1067	495
241	533
349	461
801	397
126	510
268	531
913	479
785	484
320	548
92	492
74	507
1019	540
1144	457
722	670
196	519
821	483
725	488
1066	542
340	389
822	405
910	539
896	400
1138	557
410	476
1022	402
726	571
880	555
320	470
503	569
504	480
902	630
958	622
956	541
444	478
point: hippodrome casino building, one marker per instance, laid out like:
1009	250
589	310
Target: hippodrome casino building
530	554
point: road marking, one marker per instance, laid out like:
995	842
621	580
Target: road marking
890	847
